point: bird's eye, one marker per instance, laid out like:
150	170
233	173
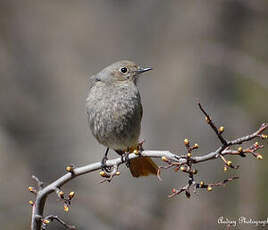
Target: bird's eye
123	70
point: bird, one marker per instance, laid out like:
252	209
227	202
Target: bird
115	112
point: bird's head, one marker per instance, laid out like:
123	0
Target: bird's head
121	71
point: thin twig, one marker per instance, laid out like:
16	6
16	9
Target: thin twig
186	166
51	218
212	125
40	184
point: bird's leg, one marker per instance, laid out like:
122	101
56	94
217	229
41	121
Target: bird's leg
126	153
124	156
140	145
103	162
127	160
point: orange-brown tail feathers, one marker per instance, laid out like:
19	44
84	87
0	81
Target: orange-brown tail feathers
142	166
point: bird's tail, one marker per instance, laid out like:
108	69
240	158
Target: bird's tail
142	166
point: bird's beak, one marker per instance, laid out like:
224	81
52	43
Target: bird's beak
142	70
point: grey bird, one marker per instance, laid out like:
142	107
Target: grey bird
115	111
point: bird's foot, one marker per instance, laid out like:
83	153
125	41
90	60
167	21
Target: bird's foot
104	167
140	145
125	158
108	176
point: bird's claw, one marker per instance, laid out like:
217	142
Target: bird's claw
140	145
125	158
104	167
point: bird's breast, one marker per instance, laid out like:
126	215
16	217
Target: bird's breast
115	115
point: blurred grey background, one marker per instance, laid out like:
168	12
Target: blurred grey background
216	51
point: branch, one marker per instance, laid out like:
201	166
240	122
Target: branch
182	163
223	150
50	218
